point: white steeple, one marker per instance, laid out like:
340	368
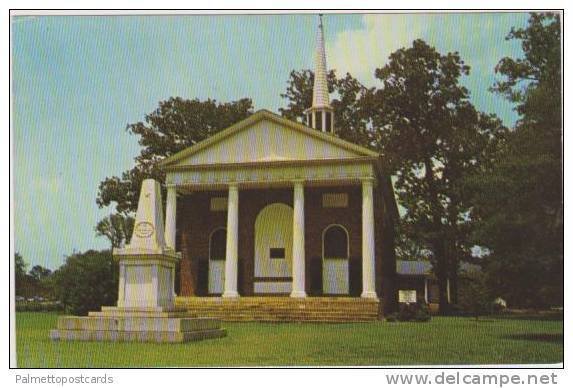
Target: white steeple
320	90
320	115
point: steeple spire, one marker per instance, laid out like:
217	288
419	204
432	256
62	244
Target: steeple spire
320	90
320	115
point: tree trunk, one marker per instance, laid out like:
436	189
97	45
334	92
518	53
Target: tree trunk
439	244
442	275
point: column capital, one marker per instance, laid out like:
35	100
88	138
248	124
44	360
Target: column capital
233	185
367	180
298	181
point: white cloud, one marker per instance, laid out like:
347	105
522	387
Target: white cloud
360	52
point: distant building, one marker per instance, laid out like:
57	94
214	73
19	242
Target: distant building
416	282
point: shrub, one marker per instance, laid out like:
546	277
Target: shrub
406	311
422	314
87	281
413	312
392	317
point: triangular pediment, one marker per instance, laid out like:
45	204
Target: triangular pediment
266	137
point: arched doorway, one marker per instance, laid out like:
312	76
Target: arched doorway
273	249
335	254
217	254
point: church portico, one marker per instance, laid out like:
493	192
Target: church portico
277	238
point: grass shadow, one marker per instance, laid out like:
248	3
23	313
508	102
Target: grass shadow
542	337
552	316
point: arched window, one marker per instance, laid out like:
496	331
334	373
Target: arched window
335	242
218	245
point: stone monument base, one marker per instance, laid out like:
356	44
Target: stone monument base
137	325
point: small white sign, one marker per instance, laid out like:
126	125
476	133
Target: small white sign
407	296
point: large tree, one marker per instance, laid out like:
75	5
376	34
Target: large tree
518	197
175	125
431	136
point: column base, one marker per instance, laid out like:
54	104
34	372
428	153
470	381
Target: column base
369	295
298	294
230	294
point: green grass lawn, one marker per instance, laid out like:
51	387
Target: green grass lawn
443	340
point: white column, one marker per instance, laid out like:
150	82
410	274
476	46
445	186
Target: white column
324	129
170	216
368	250
426	290
231	260
298	259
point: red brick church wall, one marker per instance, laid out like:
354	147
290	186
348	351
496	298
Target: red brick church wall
195	223
318	218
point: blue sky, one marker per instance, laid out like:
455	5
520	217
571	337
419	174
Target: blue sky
77	81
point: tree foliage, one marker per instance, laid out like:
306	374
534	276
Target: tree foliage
40	273
117	228
474	296
36	282
19	267
175	125
518	196
533	82
87	281
431	136
408	248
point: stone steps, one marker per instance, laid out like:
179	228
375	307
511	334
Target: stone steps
197	312
136	324
117	324
135	336
282	309
274	318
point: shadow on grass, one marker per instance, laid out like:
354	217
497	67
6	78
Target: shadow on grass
542	337
532	317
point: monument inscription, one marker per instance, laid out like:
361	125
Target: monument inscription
144	229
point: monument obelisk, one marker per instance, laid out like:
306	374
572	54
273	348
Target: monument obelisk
147	265
146	297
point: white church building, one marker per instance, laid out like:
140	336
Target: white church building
273	214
